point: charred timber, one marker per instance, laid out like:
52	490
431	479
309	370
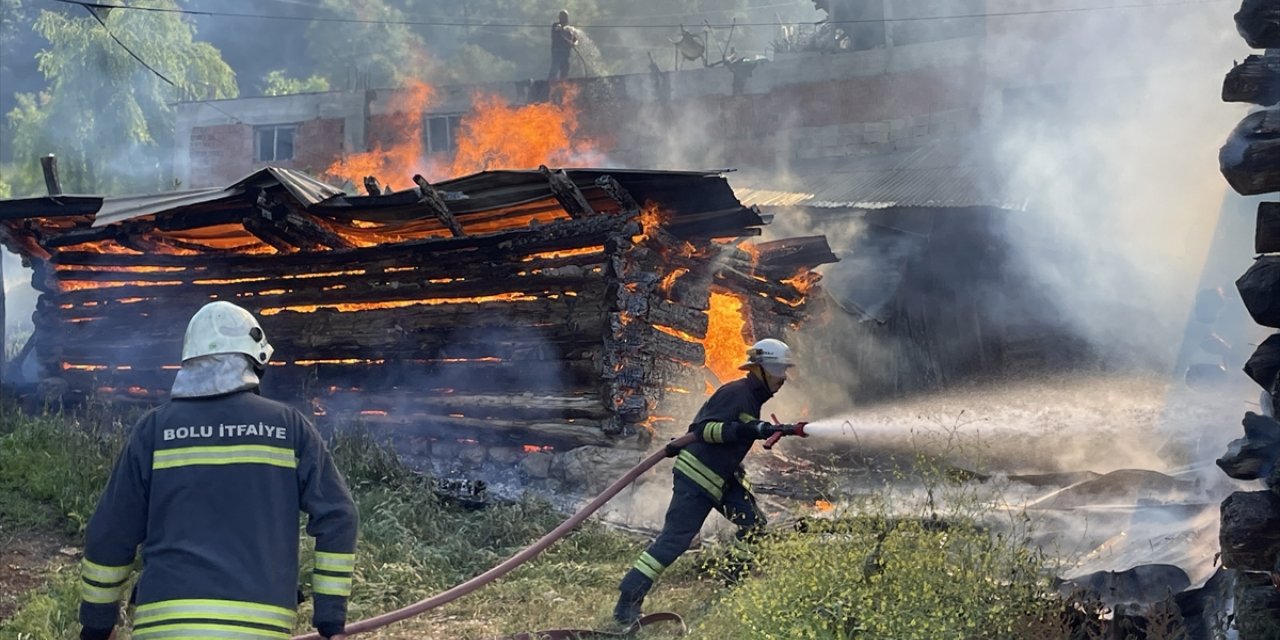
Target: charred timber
1266	238
1258	22
372	186
1256	80
1250	532
1250	160
434	202
1257	606
558	235
567	193
1256	456
619	194
1259	289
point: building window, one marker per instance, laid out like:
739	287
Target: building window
274	143
441	132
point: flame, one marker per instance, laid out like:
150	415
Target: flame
725	345
346	307
670	280
651	218
495	135
492	135
804	281
563	253
396	163
373	412
710	389
534	448
674	332
823	506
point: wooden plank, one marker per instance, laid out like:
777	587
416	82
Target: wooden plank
1266	238
1256	80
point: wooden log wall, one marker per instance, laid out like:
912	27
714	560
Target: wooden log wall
578	328
439	336
1249	537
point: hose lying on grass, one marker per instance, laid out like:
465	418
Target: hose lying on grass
524	555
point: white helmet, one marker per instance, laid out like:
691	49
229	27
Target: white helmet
222	327
772	355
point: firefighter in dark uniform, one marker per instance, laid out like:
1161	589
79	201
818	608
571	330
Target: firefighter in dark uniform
210	485
708	473
563	40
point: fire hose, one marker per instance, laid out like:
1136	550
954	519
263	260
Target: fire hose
528	553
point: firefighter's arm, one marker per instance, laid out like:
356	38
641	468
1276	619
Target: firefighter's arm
332	520
117	527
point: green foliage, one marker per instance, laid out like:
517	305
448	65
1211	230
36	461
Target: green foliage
276	83
867	578
387	54
109	120
51	613
52	468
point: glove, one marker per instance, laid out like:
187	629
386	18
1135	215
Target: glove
672	450
87	633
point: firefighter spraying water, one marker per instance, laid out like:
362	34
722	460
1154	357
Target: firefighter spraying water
708	472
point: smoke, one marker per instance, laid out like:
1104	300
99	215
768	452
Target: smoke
1109	128
19	297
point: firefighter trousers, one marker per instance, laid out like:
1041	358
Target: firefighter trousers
689	508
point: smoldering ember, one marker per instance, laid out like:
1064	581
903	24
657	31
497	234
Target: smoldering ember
463	284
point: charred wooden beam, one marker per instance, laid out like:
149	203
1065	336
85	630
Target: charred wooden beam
1259	289
52	184
1250	533
371	186
1256	456
314	231
1250	160
1258	22
1263	366
1256	80
268	234
557	235
1257	605
567	193
434	202
626	204
1266	238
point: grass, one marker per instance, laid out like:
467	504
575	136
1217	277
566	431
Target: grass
860	575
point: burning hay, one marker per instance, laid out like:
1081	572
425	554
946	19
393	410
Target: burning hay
527	309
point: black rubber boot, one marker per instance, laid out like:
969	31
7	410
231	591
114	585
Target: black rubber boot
635	586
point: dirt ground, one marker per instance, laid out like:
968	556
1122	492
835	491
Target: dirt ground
26	559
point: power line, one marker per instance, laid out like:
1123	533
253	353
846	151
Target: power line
525	25
138	58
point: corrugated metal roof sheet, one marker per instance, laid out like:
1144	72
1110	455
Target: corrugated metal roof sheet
943	174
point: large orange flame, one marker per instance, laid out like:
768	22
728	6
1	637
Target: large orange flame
395	164
496	135
493	135
725	345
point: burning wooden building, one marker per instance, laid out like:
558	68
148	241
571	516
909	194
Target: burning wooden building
534	309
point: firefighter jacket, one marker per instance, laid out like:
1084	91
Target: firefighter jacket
726	430
211	488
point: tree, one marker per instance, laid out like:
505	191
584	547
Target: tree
109	119
384	54
276	83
